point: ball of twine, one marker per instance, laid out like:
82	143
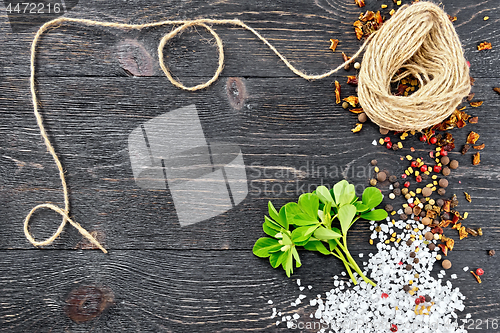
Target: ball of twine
421	41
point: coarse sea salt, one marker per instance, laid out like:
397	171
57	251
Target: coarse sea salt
362	308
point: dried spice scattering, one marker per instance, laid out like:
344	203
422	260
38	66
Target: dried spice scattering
497	90
476	159
367	24
467	197
480	147
352	79
358	128
472	137
476	104
484	46
357	110
337	92
334	43
360	3
353	100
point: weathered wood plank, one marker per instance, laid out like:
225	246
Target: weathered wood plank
301	31
183	291
292	135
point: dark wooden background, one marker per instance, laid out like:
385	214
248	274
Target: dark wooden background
97	84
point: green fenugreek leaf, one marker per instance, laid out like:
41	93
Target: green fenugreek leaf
375	215
265	246
346	215
372	197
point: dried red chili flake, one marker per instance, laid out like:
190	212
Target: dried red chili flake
407	184
476	104
358	29
367	16
474	120
378	17
357	110
480	147
446	206
472	137
437	230
470	97
352	79
419	179
497	90
452	18
456	217
384	295
353	100
337	92
360	3
476	276
394	328
437	169
334	43
346	59
484	46
476	159
443	248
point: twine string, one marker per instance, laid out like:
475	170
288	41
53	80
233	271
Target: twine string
383	57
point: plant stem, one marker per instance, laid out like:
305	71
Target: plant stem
353	262
347	265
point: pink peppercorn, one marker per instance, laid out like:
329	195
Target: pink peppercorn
479	271
384	295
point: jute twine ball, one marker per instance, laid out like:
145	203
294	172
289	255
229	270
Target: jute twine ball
421	41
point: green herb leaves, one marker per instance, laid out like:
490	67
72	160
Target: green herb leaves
308	223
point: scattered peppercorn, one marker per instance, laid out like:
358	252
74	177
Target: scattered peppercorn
345	105
446	171
406	288
429	235
362	118
426	192
396	185
409	267
426	221
431	246
445	160
492	252
409	242
408	210
428	298
381	176
443	182
373	182
441	191
373	162
479	271
389	208
453	164
413	254
397	191
393	178
440	202
446	264
404	191
403	217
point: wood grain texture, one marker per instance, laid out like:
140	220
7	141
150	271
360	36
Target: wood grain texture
291	133
97	85
301	30
184	291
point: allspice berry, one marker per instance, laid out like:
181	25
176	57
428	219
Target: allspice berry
426	192
362	118
431	246
429	235
453	164
446	171
373	162
440	202
426	221
445	160
408	210
381	176
393	178
441	191
446	264
443	182
383	131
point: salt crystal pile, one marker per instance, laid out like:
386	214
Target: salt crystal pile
402	282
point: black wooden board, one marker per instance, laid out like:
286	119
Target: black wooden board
97	85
